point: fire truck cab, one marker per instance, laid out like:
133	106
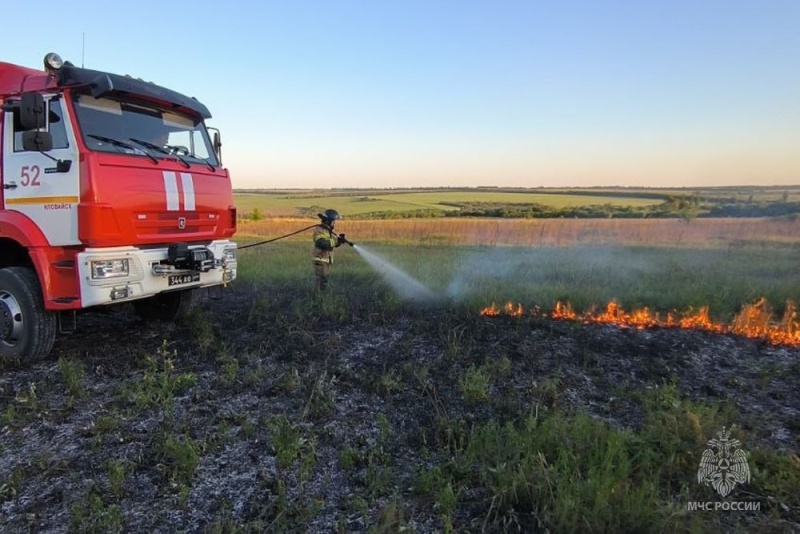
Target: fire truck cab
113	191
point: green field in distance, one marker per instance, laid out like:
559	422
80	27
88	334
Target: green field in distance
743	200
349	203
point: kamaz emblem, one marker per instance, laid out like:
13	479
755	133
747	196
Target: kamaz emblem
181	223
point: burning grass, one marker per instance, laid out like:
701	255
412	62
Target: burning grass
755	320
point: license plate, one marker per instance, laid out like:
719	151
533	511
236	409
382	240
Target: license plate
180	279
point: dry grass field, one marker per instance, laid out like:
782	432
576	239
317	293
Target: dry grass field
728	232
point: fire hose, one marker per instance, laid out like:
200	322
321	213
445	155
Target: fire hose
338	236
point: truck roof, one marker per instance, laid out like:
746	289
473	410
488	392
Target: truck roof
12	78
115	83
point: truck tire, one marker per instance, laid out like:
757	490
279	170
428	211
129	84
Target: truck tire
166	306
27	330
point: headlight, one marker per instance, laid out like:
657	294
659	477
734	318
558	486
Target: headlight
229	253
110	269
53	62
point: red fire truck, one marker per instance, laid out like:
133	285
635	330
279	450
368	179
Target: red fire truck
113	191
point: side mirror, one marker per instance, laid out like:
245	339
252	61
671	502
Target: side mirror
218	146
37	141
216	143
31	111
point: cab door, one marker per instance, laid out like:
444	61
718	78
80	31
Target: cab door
44	186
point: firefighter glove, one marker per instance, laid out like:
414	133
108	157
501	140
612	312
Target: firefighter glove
342	239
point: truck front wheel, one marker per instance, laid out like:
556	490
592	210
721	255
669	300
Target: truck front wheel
166	306
27	330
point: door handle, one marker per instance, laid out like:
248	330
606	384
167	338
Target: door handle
10	185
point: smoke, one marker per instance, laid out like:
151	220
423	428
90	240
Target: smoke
543	273
494	264
403	284
547	268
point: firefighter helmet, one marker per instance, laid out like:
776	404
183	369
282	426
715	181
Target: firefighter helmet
329	216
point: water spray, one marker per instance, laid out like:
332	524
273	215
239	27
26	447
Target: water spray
404	285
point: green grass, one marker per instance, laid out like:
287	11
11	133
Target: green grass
569	472
350	205
577	474
159	384
435	200
662	279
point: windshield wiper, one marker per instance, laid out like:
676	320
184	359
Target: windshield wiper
210	165
121	144
159	149
112	141
173	151
149	145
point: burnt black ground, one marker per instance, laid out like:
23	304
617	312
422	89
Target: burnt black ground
333	380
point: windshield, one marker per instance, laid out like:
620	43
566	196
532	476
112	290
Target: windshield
133	128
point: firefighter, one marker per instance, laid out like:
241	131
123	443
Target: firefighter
325	240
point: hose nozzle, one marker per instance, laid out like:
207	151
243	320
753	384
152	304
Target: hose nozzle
343	239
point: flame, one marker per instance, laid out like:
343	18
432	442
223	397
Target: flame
508	309
754	321
491	311
563	310
513	311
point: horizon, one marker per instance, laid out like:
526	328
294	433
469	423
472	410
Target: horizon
462	94
534	188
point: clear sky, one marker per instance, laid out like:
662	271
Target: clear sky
389	93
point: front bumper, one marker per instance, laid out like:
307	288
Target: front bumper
150	272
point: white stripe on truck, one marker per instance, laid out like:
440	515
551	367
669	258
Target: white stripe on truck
171	187
188	191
